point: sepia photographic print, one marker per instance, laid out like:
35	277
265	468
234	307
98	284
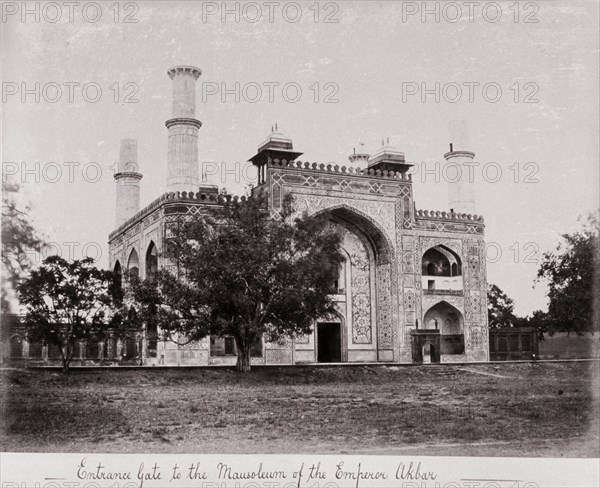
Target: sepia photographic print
300	244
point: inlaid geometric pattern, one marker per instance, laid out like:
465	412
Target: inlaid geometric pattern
375	187
278	356
405	191
343	185
310	181
409	300
381	213
360	288
384	312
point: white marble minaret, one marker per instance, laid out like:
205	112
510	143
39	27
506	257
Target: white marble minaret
182	159
461	195
128	182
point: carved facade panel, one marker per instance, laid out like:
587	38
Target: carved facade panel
384	312
276	196
360	286
475	301
149	220
302	339
408	261
282	342
278	356
409	280
346	183
381	213
431	300
409	300
429	242
445	226
408	328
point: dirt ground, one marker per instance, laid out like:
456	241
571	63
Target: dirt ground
526	409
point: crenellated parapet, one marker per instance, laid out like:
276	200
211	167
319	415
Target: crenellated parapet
206	197
439	221
340	170
436	214
148	209
194	198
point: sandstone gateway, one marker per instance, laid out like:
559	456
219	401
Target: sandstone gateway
412	288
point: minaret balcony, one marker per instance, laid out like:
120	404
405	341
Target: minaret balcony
442	285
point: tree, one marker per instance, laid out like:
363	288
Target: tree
500	308
242	274
19	239
67	302
573	272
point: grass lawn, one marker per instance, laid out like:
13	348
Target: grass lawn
529	409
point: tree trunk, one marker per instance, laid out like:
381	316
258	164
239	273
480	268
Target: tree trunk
65	356
243	358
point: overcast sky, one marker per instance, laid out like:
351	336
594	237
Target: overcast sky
367	63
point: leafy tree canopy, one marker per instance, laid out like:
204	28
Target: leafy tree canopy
19	239
572	272
67	302
500	308
242	273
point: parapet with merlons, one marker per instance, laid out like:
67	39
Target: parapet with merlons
439	221
339	170
436	214
195	198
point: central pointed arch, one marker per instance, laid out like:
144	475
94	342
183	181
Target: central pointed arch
356	220
369	326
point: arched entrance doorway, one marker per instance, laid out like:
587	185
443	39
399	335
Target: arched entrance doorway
329	342
425	346
447	323
363	331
